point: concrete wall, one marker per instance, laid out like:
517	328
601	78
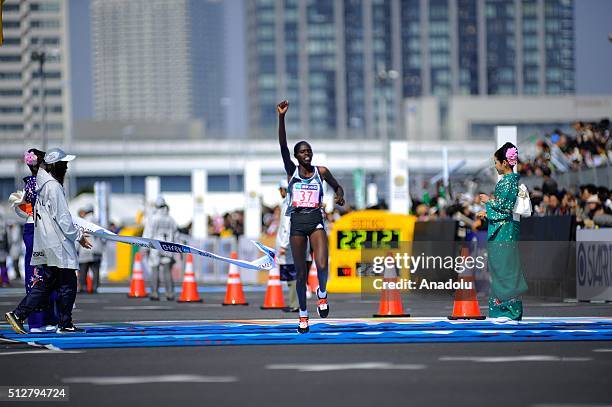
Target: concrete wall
424	121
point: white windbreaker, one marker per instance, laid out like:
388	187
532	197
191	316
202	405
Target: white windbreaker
282	235
55	236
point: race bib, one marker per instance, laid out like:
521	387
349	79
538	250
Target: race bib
305	195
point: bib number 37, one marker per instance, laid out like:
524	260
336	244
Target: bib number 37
305	195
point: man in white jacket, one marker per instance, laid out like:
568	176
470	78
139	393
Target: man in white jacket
54	249
161	226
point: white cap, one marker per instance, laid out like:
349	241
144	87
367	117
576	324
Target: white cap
88	208
56	155
160	201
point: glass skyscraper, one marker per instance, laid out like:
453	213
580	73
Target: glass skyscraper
33	28
346	65
159	60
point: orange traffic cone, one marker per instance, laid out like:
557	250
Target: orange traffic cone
274	293
137	286
313	279
89	281
390	301
234	294
190	287
466	303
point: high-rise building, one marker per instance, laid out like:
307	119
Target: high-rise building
347	64
158	60
35	32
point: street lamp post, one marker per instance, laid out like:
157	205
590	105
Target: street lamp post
41	55
127	131
385	77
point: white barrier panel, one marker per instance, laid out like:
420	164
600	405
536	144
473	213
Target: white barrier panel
152	189
594	264
252	213
199	188
399	196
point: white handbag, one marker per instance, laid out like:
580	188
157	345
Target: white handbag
522	206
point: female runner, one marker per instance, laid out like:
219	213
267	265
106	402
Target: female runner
306	211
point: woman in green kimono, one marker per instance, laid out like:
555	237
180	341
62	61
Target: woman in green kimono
507	280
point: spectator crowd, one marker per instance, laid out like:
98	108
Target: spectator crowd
589	146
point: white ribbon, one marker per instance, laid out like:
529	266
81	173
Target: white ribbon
265	262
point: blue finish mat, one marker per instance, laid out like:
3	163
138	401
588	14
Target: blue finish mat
337	331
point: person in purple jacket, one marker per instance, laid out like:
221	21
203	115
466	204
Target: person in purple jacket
46	317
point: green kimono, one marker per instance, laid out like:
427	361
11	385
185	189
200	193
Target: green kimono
507	280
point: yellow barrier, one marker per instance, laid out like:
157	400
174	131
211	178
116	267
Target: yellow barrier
125	255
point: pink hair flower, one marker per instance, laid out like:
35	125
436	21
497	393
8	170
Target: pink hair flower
30	158
512	156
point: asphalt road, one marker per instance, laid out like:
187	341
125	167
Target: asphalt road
348	375
432	374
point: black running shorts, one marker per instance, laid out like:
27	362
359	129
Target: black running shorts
303	224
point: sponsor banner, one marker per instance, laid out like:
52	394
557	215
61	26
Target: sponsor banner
594	264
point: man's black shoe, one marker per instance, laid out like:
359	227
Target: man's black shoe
69	330
15	322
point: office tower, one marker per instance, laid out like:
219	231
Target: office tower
346	65
159	60
34	33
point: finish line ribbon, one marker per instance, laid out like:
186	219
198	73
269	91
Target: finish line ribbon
265	262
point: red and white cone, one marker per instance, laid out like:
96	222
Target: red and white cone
137	285
274	293
190	286
234	295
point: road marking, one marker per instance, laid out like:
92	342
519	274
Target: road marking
504	359
552	304
570	405
345	366
89	300
135	308
39	351
116	380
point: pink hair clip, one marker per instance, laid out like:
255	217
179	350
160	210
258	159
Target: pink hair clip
512	156
30	158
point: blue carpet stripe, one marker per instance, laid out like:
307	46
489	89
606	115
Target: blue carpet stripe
233	333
